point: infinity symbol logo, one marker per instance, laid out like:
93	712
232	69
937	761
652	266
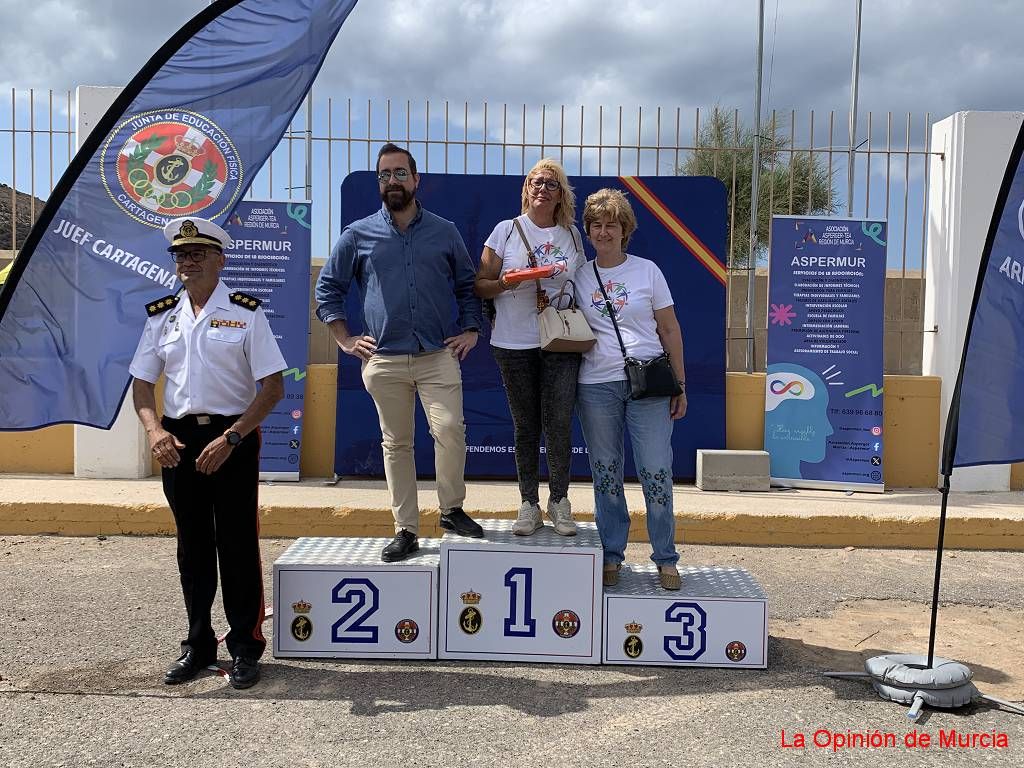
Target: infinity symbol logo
778	387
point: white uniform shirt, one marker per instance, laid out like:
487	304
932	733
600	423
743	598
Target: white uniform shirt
213	361
636	288
515	322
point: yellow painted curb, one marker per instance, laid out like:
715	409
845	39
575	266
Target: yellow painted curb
772	529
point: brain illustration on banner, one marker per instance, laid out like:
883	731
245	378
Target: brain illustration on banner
796	423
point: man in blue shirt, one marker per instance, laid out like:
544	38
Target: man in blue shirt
406	263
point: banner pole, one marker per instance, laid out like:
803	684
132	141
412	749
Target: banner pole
938	572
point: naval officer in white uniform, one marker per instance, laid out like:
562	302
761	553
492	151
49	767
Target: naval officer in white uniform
223	377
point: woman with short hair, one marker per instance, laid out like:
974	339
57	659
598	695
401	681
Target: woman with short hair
634	290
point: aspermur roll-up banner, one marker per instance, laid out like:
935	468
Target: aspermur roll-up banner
823	389
681	227
270	259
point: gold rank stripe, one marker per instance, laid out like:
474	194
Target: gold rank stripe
680	231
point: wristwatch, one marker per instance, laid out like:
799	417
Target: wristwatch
233	437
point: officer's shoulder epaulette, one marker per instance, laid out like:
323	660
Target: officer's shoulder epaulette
245	300
162	305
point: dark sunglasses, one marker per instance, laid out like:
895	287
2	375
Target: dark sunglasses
180	257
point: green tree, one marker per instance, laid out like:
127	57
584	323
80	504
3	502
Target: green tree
794	182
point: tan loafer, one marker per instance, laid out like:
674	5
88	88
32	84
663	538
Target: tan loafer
669	577
610	574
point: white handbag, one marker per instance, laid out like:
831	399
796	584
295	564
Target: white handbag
564	330
561	330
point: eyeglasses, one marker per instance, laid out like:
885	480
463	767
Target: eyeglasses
180	257
549	184
400	175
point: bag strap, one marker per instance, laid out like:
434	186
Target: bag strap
542	297
571	295
611	311
576	239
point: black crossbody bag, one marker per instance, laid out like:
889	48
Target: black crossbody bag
647	378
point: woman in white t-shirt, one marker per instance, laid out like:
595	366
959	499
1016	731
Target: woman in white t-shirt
540	386
639	296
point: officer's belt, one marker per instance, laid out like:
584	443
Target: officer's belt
204	419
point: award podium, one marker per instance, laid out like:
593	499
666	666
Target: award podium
718	619
532	598
335	598
521	598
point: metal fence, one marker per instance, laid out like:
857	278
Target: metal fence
332	137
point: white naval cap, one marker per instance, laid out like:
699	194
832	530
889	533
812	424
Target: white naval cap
195	231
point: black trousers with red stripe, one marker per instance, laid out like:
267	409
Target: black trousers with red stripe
217	519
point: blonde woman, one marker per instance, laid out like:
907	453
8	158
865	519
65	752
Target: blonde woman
540	386
635	291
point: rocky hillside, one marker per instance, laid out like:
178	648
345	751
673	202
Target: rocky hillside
23	216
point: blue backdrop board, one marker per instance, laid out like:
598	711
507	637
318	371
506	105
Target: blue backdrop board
823	389
270	260
682	225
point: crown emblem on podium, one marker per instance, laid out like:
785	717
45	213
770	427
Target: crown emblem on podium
634	627
187	147
471	597
302	607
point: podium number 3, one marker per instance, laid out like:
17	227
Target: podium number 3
689	645
364	597
519	622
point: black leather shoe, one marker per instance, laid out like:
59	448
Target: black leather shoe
456	520
186	667
403	545
245	672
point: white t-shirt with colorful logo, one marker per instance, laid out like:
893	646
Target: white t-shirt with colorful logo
636	288
515	324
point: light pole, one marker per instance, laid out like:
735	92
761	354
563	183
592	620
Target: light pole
754	181
854	82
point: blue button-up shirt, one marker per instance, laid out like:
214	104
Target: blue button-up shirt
407	280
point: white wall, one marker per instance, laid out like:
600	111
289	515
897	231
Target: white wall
123	451
963	185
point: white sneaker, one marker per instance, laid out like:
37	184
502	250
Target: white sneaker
528	522
560	514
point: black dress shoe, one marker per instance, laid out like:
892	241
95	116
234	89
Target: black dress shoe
403	545
245	672
186	667
456	520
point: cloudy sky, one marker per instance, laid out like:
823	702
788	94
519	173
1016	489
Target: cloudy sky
917	55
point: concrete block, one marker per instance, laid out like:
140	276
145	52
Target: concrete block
719	470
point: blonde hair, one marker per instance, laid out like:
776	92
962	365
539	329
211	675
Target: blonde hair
565	211
612	203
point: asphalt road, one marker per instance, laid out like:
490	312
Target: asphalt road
87	627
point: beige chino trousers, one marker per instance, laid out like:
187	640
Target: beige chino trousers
393	382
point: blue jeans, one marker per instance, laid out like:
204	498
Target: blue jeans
605	411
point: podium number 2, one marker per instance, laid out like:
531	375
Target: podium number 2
519	622
364	597
689	645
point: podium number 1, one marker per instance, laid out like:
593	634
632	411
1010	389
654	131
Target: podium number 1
519	622
364	597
